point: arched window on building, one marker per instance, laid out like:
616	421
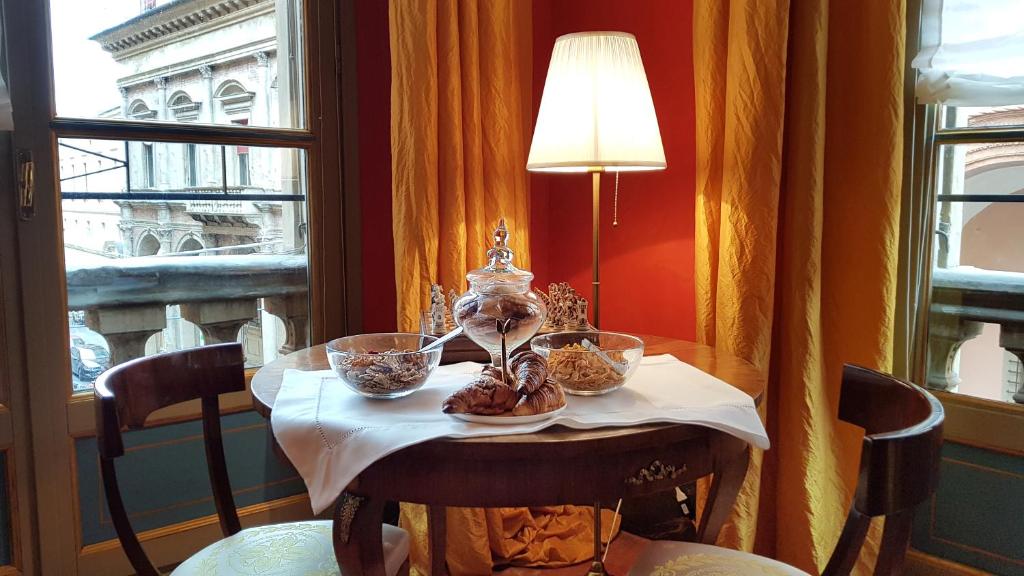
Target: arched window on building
182	107
148	246
234	98
138	110
236	103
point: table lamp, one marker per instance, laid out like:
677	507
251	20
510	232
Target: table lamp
596	115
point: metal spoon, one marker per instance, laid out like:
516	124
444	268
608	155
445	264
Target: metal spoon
440	341
619	367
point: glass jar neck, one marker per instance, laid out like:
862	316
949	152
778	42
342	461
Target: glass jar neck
500	287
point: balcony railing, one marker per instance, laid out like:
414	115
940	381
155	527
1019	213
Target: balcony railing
963	300
126	301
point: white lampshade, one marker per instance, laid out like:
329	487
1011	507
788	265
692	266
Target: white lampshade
596	113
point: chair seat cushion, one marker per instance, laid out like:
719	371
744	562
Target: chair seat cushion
295	549
665	558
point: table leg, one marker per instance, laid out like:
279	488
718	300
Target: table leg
358	538
729	471
437	530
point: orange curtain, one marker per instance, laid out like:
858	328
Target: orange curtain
460	123
799	155
460	120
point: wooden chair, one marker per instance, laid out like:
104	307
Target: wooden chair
899	469
127	394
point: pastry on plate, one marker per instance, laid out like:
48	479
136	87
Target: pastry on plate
485	395
549	396
530	371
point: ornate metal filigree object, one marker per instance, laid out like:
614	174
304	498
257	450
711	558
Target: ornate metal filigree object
653	472
344	512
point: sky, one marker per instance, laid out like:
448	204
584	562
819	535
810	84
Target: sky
85	76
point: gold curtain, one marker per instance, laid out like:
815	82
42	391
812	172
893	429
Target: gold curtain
460	117
799	151
460	123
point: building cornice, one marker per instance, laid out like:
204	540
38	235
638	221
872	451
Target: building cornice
170	19
195	65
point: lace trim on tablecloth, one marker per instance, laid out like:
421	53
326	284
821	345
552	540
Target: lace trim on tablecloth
320	428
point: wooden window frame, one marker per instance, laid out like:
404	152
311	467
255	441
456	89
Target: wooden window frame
978	422
47	416
330	144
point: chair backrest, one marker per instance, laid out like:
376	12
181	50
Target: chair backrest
128	393
899	464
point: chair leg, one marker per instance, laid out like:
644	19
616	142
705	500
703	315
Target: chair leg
845	554
725	486
895	540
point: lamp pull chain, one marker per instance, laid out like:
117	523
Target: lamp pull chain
615	201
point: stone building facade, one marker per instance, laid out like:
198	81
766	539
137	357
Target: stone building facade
203	61
193	61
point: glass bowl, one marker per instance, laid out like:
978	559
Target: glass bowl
589	372
383	365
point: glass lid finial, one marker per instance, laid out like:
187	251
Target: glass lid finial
500	255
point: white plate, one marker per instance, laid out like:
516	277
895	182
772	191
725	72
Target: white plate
507	420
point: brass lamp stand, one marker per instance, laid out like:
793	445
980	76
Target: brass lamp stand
596	223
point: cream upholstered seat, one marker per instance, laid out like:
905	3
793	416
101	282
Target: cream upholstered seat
664	558
295	549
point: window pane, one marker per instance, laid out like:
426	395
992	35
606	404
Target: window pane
977	311
207	61
156	263
982	116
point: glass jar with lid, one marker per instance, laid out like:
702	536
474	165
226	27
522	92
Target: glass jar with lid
499	300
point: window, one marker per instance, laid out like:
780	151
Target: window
971	80
94	74
148	167
242	158
191	165
243	168
182	108
174	203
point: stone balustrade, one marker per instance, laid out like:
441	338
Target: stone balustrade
963	299
126	300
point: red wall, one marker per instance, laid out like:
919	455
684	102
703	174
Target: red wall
647	261
373	57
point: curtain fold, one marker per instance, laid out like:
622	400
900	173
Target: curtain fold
973	59
460	80
460	123
799	167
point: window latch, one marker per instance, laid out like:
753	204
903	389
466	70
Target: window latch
26	185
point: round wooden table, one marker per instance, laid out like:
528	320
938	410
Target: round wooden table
555	466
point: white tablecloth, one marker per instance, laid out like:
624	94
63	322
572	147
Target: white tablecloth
331	434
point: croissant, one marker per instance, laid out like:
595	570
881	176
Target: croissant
492	371
530	369
549	396
485	395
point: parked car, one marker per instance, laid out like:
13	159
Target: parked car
89	361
